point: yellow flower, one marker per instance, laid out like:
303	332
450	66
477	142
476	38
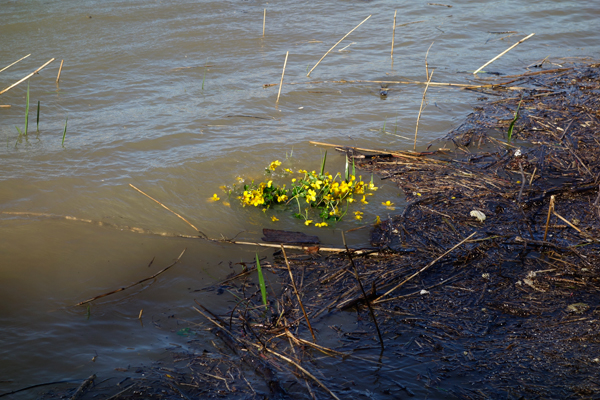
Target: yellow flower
240	179
372	187
274	218
311	196
282	198
269	183
293	180
358	215
377	220
214	198
387	203
351	200
321	224
308	222
289	171
317	184
302	171
419	194
274	165
364	200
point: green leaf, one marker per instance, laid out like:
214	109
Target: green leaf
261	282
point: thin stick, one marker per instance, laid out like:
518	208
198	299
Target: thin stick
297	294
165	207
5	106
8	66
503	53
328	51
59	70
264	21
426	64
460	85
393	35
303	370
133	284
27	77
424	268
364	293
421	109
550	209
282	73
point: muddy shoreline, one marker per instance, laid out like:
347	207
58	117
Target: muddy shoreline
512	312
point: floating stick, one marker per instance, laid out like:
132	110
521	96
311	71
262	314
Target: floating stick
393	35
264	21
421	109
165	207
59	70
8	66
328	51
133	284
282	73
27	77
298	295
423	269
503	53
5	106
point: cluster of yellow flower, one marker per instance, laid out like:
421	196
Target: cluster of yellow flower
323	193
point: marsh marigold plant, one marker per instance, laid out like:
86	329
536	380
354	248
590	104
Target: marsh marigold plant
310	193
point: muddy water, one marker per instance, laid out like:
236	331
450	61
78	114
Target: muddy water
169	96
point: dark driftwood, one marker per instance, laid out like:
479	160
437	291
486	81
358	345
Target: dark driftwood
278	236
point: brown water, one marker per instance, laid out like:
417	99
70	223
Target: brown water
164	95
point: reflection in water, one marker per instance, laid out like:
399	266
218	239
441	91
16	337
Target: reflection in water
167	97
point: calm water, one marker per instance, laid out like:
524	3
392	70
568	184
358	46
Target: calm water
168	96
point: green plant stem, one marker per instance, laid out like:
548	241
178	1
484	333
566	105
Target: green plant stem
261	282
65	131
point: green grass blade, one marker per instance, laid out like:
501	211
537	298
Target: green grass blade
38	117
65	131
27	108
323	163
261	282
512	124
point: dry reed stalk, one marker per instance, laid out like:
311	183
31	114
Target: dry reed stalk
424	268
328	51
301	368
133	284
165	207
404	154
304	248
8	66
140	315
27	77
426	55
460	85
550	209
297	294
282	73
59	70
5	106
503	53
421	108
362	289
393	36
264	21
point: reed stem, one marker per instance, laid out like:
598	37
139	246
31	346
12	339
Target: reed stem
59	70
503	53
328	51
27	77
282	73
8	66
